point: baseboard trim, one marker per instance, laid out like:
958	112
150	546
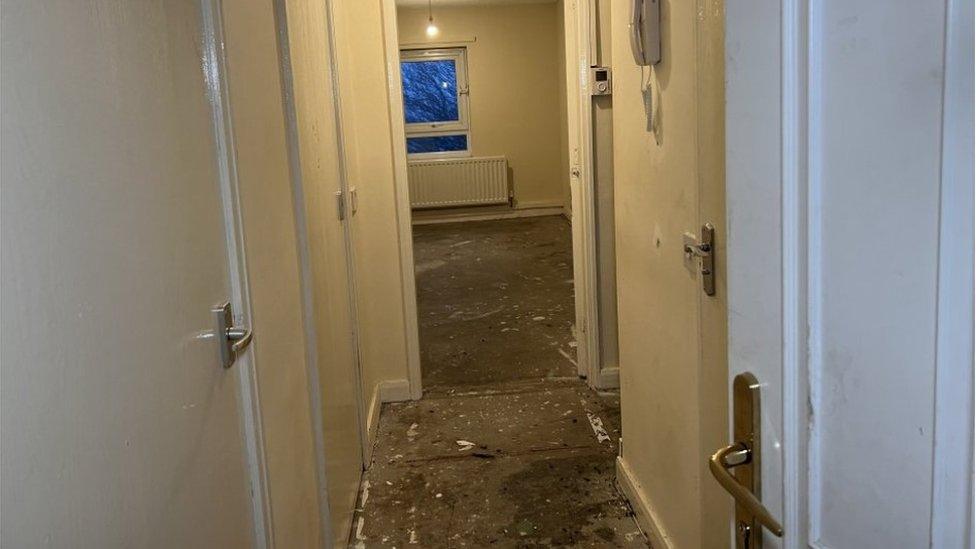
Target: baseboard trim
536	204
394	390
487	216
608	378
647	518
373	422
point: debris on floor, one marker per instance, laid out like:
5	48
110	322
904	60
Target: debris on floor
508	447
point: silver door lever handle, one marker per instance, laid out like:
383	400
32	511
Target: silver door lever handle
241	338
231	340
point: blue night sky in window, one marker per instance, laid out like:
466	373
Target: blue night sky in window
429	91
437	143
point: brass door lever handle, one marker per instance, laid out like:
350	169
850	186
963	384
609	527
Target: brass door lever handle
719	465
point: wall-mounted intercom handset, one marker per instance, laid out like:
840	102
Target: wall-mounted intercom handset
600	81
645	31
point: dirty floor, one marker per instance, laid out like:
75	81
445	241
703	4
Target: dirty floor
508	448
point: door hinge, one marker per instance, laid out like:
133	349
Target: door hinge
340	205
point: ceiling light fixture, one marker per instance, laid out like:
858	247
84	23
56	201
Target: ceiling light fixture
432	29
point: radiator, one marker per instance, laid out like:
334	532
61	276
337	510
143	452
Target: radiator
450	182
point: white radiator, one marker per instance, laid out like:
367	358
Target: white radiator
450	182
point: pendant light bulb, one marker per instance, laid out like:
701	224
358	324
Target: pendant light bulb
432	29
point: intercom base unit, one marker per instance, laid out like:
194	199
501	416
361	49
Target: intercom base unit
600	81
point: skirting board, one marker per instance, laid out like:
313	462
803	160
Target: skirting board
397	390
487	216
372	422
647	518
394	390
608	378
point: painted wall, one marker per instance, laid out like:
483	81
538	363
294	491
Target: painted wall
273	264
366	120
672	337
513	70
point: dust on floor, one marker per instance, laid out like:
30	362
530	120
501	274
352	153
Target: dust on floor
508	448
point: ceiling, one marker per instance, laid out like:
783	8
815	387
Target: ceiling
436	3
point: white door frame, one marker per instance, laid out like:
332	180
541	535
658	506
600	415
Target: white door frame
800	211
305	269
249	403
583	195
583	201
398	135
952	525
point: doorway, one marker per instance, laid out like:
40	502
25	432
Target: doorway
510	442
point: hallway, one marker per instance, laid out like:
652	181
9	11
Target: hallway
508	447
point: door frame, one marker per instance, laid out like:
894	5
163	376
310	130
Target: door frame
583	203
398	135
952	526
249	402
801	260
583	198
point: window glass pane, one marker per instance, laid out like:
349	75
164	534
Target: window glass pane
439	143
429	91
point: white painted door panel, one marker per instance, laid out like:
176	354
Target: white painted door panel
754	223
880	148
120	428
835	190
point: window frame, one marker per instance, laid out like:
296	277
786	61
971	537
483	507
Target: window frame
462	126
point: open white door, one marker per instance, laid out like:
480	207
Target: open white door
121	427
850	194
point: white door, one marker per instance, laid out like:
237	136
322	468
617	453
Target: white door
849	178
120	426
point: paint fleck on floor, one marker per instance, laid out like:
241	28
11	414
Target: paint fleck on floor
508	448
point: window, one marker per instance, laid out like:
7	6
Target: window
435	102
